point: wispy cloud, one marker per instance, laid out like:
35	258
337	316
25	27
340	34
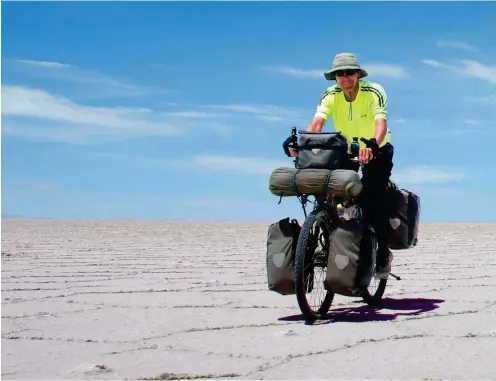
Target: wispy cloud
468	68
93	83
251	165
239	164
491	98
233	113
294	72
374	69
271	113
456	45
37	114
34	185
256	165
40	115
194	114
472	122
427	175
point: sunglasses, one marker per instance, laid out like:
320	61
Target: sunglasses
341	73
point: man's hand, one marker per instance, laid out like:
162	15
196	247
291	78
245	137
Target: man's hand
365	155
292	152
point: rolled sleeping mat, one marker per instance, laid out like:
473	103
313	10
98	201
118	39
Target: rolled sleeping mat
342	183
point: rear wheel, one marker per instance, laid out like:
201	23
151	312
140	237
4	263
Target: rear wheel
311	267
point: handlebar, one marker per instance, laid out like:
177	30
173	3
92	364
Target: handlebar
292	142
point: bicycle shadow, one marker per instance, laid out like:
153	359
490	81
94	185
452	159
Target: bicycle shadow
366	313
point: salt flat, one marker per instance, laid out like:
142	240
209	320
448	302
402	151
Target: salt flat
164	300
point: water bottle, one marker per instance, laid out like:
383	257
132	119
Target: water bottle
355	147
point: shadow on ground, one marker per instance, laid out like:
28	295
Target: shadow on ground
389	309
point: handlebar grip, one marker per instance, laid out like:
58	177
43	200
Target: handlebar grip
372	144
289	143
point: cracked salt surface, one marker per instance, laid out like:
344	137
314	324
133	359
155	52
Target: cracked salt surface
172	300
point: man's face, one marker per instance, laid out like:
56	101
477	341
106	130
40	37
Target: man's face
347	79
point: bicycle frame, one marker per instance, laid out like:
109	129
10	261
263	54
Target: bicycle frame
322	203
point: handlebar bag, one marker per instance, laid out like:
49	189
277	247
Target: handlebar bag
321	150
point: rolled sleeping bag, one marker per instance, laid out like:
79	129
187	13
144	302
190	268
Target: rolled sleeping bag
342	183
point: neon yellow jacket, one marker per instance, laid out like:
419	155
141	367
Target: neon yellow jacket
355	118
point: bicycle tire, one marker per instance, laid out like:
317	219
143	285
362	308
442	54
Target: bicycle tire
301	260
376	298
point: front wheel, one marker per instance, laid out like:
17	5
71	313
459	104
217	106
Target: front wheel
308	262
374	298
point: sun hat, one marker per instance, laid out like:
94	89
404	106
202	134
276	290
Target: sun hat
344	61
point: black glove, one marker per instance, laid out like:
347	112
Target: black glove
290	142
372	144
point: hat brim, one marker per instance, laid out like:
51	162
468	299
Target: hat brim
331	74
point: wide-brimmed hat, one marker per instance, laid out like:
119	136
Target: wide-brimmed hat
344	61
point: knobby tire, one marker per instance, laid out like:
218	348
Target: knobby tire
302	259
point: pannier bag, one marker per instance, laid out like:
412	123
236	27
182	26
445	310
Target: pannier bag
404	220
282	239
351	259
321	150
342	183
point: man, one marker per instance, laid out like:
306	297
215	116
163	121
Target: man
359	108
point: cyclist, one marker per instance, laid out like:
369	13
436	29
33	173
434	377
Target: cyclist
359	108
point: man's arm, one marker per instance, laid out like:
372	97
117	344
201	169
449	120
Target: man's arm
380	113
380	130
323	112
316	124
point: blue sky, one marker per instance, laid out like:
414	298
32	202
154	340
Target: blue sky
168	110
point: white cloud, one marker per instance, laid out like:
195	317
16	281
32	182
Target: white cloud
269	113
214	163
44	64
374	69
238	164
427	175
35	103
52	117
40	115
386	70
435	63
194	114
472	122
456	45
253	165
294	72
93	83
468	68
489	99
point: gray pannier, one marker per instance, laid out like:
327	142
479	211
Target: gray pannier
351	259
282	238
404	219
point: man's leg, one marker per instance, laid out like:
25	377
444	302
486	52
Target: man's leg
376	206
